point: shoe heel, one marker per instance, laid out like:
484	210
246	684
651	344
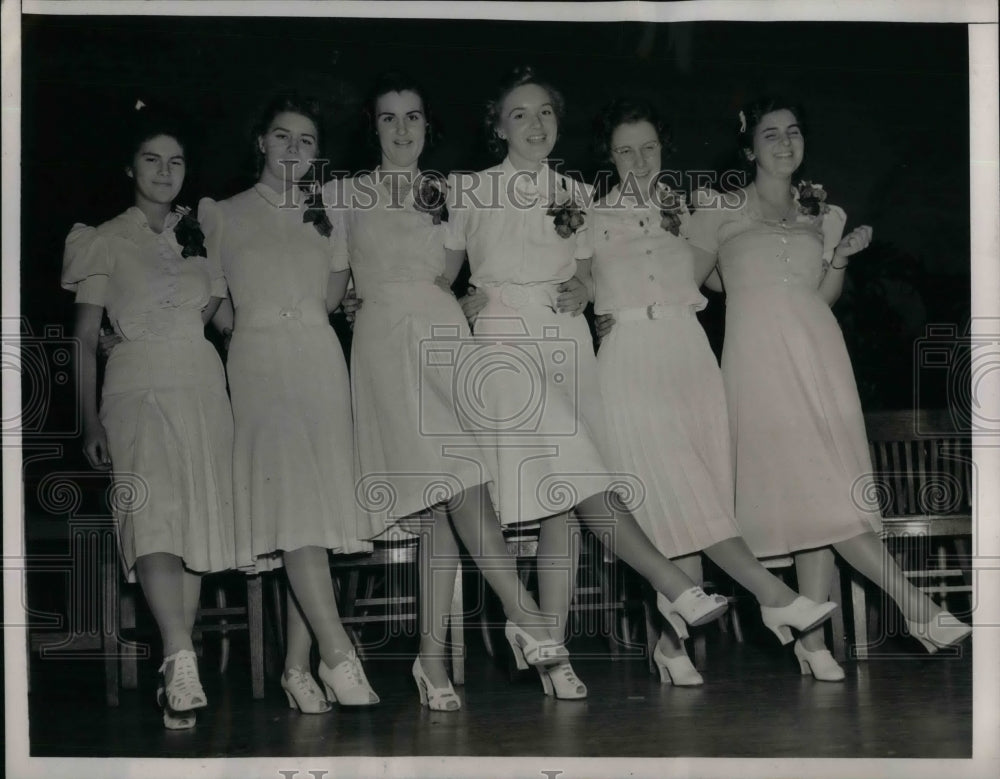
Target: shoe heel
519	659
422	691
330	694
804	668
930	646
291	701
547	686
783	632
678	624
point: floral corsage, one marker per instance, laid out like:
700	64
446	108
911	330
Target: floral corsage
568	214
430	196
811	198
315	210
672	205
189	234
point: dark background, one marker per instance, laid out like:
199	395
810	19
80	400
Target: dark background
887	133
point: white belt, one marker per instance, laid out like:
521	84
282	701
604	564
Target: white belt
655	311
518	296
309	313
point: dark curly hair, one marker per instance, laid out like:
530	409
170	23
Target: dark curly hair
392	81
147	122
754	112
291	102
624	110
518	77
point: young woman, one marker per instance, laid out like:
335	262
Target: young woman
410	445
293	460
164	427
664	399
801	452
532	382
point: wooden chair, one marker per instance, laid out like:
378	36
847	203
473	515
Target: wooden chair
923	475
101	608
217	617
69	510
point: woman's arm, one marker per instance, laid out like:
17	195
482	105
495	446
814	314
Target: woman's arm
575	293
336	287
472	301
832	283
453	260
86	329
208	312
706	271
223	318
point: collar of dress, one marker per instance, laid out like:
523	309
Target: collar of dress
139	219
291	198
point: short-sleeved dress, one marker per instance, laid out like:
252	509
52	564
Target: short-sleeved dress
802	464
163	404
665	403
528	380
293	463
411	450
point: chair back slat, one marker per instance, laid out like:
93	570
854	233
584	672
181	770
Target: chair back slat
923	462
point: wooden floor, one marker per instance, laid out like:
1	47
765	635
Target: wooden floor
754	704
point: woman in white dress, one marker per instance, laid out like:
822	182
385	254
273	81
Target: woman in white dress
416	464
801	453
293	466
665	403
165	427
530	379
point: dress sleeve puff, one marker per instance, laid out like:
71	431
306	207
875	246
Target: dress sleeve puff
458	215
87	265
208	213
833	230
709	213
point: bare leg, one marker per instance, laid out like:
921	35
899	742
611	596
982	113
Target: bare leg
172	594
192	598
557	561
868	555
632	545
298	639
735	558
476	523
309	576
669	643
814	570
436	569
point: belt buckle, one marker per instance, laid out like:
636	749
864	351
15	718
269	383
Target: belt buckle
654	311
514	296
290	313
